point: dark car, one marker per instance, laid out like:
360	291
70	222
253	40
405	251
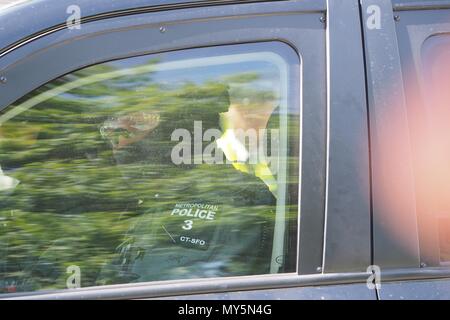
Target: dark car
222	149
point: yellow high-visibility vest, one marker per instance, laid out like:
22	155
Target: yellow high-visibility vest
237	154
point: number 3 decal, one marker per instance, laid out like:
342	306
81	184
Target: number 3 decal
188	224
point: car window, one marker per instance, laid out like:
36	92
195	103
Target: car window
164	166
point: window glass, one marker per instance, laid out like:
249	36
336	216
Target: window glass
167	166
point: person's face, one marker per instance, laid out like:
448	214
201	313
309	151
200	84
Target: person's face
129	129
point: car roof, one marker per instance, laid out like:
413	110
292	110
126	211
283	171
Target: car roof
29	19
22	20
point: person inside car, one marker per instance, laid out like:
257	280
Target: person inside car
194	220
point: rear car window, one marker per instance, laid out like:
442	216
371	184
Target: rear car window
159	167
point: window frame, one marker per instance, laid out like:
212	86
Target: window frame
428	22
388	54
40	61
398	48
279	55
327	252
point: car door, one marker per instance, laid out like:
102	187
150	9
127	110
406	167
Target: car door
123	173
408	108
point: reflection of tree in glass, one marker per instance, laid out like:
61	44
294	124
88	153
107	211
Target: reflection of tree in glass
72	206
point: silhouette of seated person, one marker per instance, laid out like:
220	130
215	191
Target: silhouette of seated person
195	219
